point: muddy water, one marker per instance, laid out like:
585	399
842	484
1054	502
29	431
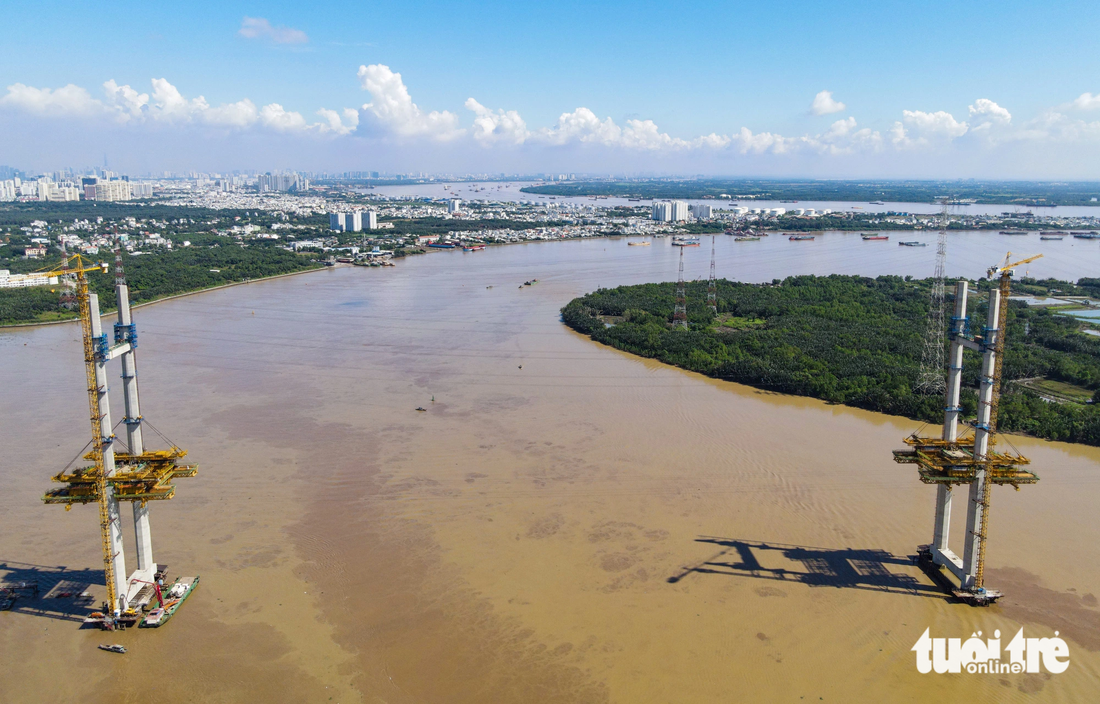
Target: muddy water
564	523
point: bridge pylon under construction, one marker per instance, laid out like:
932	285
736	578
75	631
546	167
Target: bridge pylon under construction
970	459
134	473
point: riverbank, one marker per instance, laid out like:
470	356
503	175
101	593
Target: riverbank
853	341
109	308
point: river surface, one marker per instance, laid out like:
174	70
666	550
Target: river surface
510	191
565	522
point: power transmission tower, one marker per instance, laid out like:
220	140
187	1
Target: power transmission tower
931	379
679	313
712	287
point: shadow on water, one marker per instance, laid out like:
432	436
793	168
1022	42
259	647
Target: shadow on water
47	591
844	568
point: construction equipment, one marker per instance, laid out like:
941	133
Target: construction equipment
971	460
136	475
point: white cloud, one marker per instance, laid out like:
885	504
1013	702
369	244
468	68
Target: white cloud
985	108
1087	101
393	109
242	113
824	104
128	102
169	104
582	125
336	123
275	117
259	28
935	124
67	100
499	126
393	117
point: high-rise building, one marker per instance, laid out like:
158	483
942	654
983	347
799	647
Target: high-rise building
454	205
679	210
662	211
141	190
701	211
354	221
281	183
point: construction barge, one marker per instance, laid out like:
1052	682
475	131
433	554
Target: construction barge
143	612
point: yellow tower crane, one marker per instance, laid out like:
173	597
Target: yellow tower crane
1004	271
75	269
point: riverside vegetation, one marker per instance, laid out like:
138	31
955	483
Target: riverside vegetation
856	341
156	276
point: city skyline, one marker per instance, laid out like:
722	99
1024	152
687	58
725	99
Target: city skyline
482	88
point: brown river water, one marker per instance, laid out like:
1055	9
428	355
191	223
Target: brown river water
565	523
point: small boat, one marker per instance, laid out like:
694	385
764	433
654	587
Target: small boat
421	409
876	202
746	239
637	244
912	244
113	648
869	238
800	238
1050	237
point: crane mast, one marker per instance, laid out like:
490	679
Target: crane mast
1005	287
98	440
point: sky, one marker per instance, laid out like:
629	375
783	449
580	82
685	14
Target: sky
779	89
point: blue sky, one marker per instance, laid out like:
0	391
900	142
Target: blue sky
684	73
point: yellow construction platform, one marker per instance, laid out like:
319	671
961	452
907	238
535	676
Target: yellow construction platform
942	462
144	477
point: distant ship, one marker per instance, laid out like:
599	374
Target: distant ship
912	244
876	202
746	239
800	238
868	238
685	242
1050	237
637	244
1014	232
